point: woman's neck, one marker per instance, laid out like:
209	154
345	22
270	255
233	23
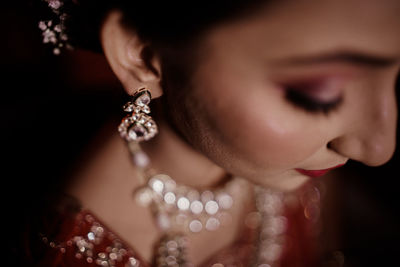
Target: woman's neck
171	155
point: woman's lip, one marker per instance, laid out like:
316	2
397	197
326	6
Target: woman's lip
317	173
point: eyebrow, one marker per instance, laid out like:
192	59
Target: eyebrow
352	57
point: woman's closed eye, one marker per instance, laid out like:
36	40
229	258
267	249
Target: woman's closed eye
312	103
321	96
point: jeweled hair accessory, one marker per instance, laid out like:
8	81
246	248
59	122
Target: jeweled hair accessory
54	29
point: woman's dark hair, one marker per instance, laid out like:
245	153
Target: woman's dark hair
162	23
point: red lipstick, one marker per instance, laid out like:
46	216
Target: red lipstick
317	173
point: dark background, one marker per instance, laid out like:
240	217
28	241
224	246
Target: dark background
51	106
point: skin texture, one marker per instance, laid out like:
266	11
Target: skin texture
235	116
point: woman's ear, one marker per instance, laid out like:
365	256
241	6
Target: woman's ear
132	61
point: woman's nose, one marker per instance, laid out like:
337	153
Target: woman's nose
371	137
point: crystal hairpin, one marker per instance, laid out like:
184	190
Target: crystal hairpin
54	30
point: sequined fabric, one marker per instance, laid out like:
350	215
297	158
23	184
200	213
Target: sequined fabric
86	241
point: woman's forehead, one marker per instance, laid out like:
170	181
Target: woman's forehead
371	26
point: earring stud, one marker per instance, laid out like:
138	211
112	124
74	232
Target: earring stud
138	125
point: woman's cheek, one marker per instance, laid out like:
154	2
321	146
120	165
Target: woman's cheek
252	119
267	130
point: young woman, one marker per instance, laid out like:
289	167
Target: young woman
248	100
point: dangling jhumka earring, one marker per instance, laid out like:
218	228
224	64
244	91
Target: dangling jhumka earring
138	125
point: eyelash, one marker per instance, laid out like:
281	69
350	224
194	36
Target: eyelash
308	103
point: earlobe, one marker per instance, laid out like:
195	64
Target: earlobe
125	53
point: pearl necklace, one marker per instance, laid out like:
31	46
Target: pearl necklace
178	207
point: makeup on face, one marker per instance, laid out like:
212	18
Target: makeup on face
322	94
317	173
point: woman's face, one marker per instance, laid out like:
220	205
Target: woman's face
301	85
